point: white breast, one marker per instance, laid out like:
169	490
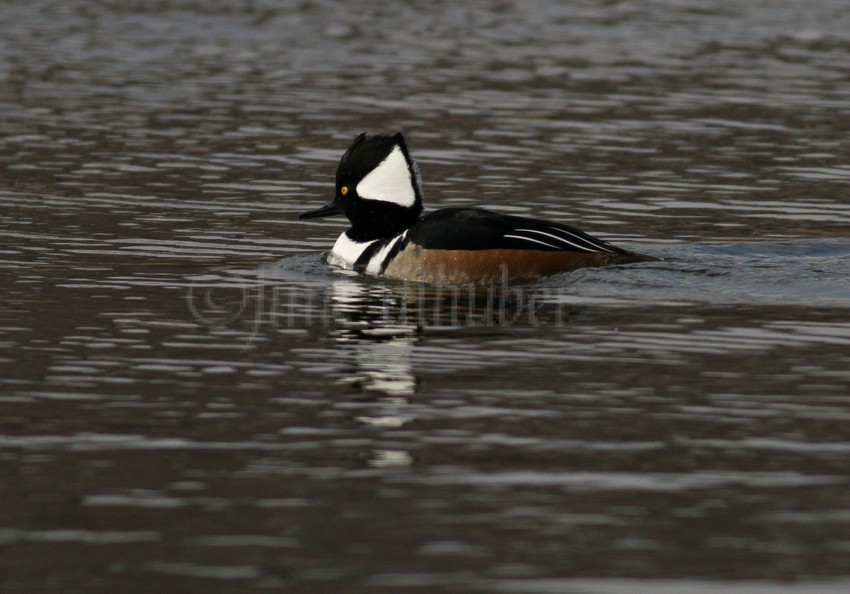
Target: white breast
346	251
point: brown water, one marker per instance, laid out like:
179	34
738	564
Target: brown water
191	401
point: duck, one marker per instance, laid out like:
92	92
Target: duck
379	190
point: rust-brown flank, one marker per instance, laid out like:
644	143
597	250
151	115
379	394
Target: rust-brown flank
485	266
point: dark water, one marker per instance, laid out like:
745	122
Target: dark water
193	402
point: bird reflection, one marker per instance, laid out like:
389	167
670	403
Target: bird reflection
370	323
378	329
380	325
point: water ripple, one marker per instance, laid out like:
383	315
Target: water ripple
182	372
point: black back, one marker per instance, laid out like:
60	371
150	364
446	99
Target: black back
479	229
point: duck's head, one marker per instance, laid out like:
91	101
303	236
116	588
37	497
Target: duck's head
377	188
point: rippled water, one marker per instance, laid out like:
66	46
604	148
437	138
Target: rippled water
193	402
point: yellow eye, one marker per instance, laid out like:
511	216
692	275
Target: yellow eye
343	190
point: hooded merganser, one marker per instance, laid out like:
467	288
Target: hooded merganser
378	190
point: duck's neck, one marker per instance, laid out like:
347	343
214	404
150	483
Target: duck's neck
382	223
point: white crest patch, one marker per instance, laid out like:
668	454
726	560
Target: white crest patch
390	181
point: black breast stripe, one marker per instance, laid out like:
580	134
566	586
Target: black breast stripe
367	255
399	245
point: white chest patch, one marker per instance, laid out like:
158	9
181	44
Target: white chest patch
346	251
390	181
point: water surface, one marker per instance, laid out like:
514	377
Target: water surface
193	402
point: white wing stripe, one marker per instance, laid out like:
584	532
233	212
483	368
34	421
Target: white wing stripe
560	239
586	239
529	239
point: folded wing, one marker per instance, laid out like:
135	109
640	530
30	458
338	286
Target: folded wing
479	229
